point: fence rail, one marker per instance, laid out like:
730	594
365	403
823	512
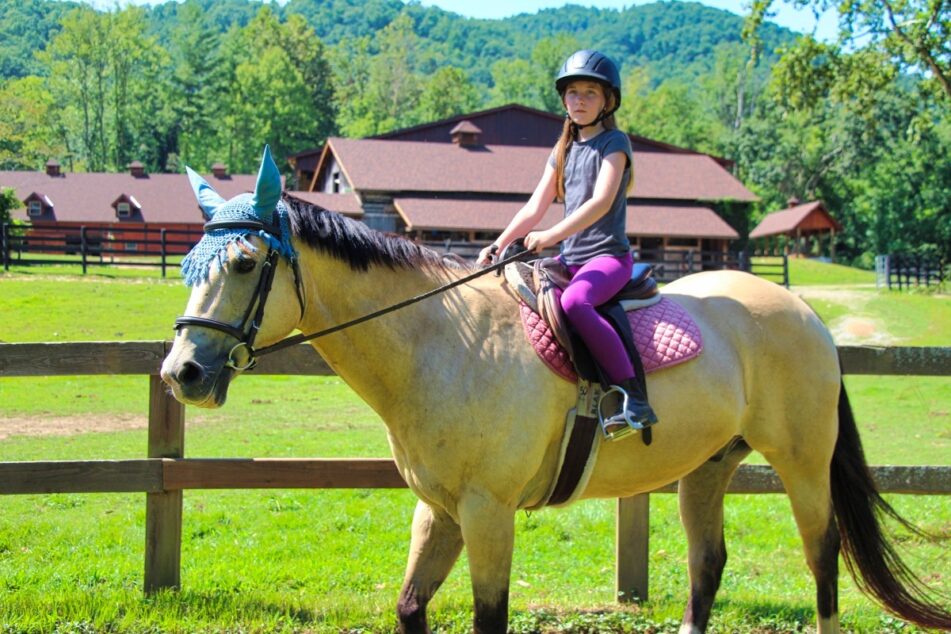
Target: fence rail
165	473
95	245
105	246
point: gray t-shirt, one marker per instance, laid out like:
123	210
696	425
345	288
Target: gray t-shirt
606	236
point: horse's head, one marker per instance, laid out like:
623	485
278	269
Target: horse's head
245	288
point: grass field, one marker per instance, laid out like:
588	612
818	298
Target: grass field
330	561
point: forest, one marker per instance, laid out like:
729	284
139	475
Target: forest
860	123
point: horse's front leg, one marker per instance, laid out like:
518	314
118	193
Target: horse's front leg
488	528
434	548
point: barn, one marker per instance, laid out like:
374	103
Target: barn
459	181
130	209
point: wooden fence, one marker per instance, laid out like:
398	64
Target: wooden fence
165	473
150	246
96	245
905	271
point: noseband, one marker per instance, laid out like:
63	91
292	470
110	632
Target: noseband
248	330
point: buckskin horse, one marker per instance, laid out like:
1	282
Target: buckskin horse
475	420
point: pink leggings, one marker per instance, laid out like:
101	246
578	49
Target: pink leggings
592	284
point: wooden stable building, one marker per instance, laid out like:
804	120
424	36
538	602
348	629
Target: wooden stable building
790	230
130	209
460	180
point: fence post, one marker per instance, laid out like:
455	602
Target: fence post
785	270
82	246
632	542
4	234
163	239
163	511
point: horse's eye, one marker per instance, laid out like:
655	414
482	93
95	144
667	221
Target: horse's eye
245	265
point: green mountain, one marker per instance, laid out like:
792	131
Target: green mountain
25	27
670	39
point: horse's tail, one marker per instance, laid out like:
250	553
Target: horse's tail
869	555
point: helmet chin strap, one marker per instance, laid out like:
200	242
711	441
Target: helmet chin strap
601	117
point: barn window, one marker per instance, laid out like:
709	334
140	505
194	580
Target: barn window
123	210
35	208
131	246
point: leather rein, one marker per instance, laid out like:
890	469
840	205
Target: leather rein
251	324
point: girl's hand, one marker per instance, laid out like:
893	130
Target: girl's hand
486	255
538	241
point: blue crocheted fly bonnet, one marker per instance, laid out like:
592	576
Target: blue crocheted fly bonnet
264	204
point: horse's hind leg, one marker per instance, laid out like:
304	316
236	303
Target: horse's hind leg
434	548
811	498
701	512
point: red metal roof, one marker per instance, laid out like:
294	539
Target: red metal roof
677	221
808	217
493	216
464	215
413	166
511	124
347	204
89	197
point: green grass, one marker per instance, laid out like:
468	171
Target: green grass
331	561
88	308
808	272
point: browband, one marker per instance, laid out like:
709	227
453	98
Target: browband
258	225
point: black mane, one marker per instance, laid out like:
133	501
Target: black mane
358	245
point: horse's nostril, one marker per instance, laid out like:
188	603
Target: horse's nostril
190	373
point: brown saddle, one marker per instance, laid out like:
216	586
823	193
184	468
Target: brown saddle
536	284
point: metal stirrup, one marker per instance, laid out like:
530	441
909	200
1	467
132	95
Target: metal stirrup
623	416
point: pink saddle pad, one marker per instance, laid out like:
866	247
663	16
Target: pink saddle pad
665	335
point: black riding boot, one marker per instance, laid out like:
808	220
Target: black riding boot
633	411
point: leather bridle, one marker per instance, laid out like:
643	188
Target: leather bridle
250	324
248	330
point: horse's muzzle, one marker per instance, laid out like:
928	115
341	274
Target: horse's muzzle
193	383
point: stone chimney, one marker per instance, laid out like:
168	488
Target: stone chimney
792	202
220	171
137	169
466	134
52	167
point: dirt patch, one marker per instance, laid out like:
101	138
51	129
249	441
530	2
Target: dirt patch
851	330
68	425
861	331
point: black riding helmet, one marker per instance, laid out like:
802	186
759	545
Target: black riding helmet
591	65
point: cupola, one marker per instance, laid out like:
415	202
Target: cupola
220	171
466	134
137	169
52	168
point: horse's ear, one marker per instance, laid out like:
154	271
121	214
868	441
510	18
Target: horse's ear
267	191
208	198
